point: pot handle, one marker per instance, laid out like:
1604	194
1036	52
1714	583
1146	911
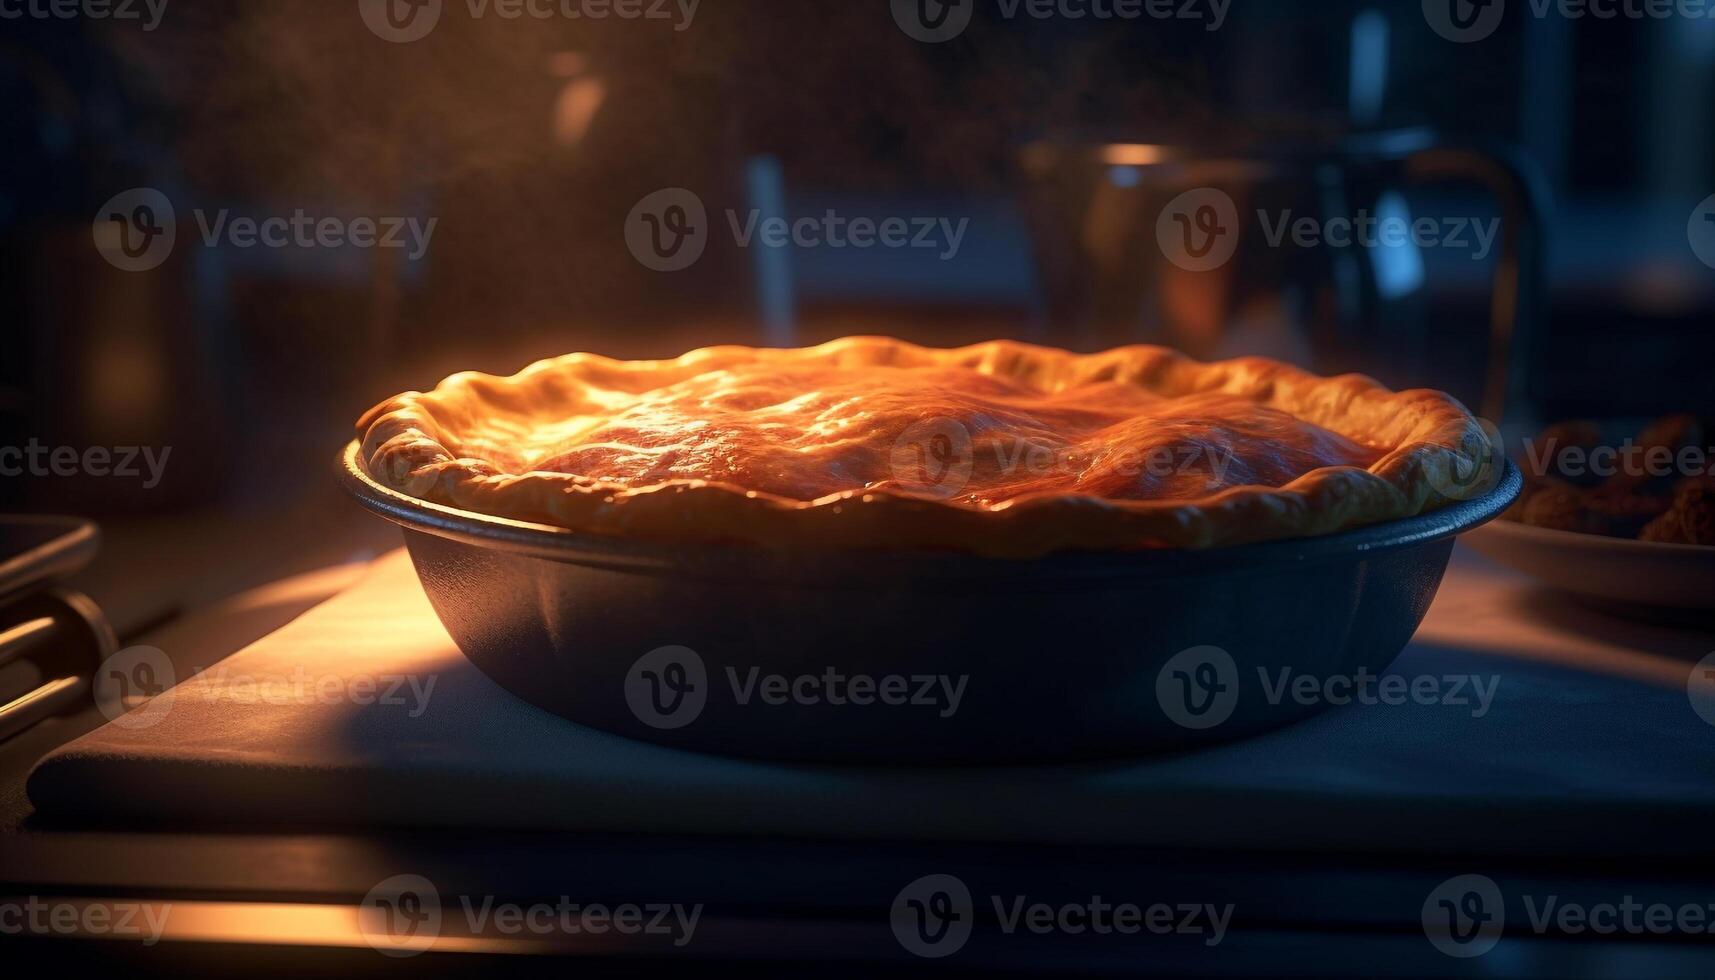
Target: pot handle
1515	304
66	637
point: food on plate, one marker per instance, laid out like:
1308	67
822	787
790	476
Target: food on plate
1656	485
1689	520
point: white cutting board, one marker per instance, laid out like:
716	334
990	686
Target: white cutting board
1591	744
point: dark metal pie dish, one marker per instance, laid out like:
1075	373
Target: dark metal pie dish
918	658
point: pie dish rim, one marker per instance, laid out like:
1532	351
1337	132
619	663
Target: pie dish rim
550	542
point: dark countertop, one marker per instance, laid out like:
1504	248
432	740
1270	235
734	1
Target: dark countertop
773	905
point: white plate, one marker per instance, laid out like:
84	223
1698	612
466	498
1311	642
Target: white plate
1644	573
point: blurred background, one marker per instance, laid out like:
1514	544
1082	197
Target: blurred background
1055	141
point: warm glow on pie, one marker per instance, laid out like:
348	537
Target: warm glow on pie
1001	448
806	431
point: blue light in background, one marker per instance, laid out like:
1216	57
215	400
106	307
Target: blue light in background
766	183
1398	268
1368	83
1126	177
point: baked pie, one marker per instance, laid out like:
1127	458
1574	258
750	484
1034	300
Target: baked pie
1002	448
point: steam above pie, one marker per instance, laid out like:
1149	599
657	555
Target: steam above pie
1001	448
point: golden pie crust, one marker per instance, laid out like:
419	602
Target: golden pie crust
1002	449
